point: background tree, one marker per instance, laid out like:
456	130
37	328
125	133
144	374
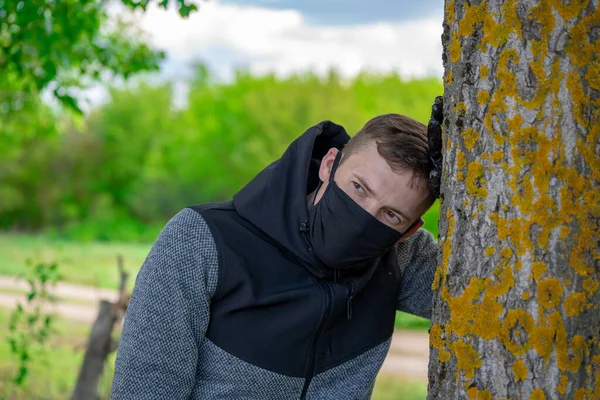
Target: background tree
64	46
517	308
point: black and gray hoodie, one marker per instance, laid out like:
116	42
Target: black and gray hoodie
231	304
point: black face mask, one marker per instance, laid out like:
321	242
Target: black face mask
342	233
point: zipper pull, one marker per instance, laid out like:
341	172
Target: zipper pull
349	299
304	229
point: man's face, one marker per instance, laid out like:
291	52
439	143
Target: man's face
395	199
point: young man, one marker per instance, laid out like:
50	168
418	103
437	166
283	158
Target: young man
290	290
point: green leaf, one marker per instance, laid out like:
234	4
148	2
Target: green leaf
185	10
23	371
12	343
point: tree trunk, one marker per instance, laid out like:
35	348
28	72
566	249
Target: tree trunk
516	312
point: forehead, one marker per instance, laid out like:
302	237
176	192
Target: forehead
397	189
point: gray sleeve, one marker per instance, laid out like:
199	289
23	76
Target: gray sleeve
417	258
168	313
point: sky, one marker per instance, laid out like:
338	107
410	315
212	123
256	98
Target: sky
286	37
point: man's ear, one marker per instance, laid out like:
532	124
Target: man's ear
413	228
327	164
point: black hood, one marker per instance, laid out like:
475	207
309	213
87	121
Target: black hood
275	200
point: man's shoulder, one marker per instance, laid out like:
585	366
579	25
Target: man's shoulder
222	206
421	240
187	233
193	223
186	224
186	248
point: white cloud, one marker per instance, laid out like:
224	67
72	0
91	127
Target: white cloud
281	41
266	40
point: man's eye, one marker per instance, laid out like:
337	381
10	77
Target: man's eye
359	188
392	217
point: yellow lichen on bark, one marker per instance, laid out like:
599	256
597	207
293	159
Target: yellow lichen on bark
549	293
537	394
475	394
537	269
461	163
542	340
483	72
483	97
436	341
486	318
467	358
497	156
582	394
575	304
449	12
562	387
516	331
448	78
520	370
455	49
475	181
590	285
500	283
470	137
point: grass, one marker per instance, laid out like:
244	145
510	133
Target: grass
53	377
95	263
411	322
392	388
86	263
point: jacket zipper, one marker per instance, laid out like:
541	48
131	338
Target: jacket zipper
312	361
349	298
304	229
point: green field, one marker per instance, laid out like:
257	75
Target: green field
85	263
92	263
95	263
53	376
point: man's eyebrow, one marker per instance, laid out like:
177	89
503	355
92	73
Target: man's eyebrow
364	183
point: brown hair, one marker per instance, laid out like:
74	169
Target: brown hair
401	141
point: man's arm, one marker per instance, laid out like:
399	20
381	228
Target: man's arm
168	313
417	258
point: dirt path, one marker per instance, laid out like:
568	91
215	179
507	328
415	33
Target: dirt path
408	356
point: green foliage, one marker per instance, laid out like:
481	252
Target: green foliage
30	326
60	47
67	43
185	7
136	161
54	375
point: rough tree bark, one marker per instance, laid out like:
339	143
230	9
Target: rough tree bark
516	313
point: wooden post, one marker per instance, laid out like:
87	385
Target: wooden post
99	344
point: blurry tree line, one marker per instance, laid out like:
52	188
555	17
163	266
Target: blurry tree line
129	165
